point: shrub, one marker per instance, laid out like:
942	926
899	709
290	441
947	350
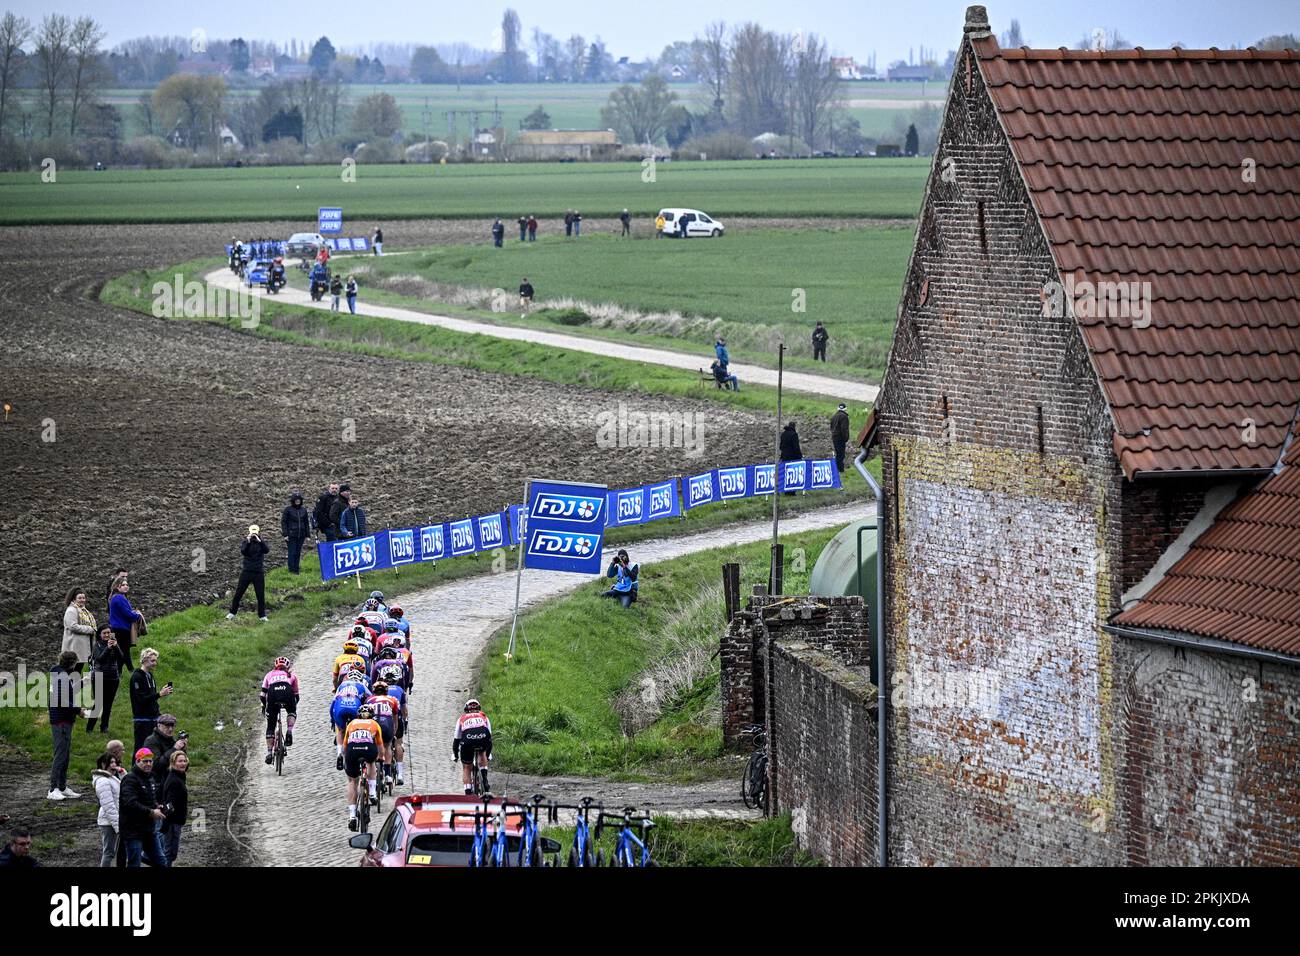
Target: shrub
717	146
571	316
147	151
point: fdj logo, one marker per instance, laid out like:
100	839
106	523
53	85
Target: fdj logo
732	481
431	542
701	488
566	507
462	537
354	556
764	479
561	542
401	547
489	530
821	474
794	474
629	506
661	501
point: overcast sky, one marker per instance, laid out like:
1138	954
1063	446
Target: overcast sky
642	28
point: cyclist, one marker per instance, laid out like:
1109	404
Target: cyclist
391	630
391	670
365	622
472	744
279	689
388	715
406	657
397	614
378	598
373	619
364	739
348	698
365	643
348	656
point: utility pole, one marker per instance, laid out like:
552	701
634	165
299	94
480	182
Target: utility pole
774	581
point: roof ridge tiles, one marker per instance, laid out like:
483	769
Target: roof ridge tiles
993	52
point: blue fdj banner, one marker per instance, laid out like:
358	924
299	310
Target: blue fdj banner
341	558
462	537
794	476
700	489
491	531
329	220
514	523
734	483
400	546
639	505
433	542
565	526
824	474
762	479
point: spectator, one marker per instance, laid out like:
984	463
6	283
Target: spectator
681	226
118	750
179	745
336	290
107	661
351	290
840	434
254	551
18	851
65	690
320	516
176	801
660	223
498	232
145	696
525	296
568	223
295	528
626	219
125	620
108	788
377	242
78	626
819	339
139	813
577	223
789	447
352	521
625	575
723	376
337	506
523	227
323	256
112	588
161	742
720	350
532	228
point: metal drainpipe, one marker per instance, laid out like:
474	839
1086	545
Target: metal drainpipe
882	850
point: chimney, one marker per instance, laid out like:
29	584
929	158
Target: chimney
977	22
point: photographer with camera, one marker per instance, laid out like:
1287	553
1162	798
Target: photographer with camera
161	742
254	550
625	573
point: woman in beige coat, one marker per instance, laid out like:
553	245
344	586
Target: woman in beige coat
78	626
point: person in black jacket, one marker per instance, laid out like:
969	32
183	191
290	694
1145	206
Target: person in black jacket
338	506
64	705
145	696
254	550
819	339
176	802
790	450
106	662
498	233
320	516
139	811
840	434
161	742
17	853
295	528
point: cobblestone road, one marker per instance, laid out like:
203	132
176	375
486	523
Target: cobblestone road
299	819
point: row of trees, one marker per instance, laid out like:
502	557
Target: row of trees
65	63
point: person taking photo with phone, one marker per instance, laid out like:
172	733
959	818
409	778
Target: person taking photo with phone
254	550
145	695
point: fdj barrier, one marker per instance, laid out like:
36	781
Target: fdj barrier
567	532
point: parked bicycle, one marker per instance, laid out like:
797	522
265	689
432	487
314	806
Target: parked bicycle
581	853
753	785
629	849
530	841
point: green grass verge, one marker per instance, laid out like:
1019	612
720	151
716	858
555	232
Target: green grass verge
411	341
872	188
559	706
751	281
712	843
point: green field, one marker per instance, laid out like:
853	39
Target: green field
868	188
850	280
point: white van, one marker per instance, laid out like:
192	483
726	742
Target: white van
697	223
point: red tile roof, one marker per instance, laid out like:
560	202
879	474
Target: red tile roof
1240	580
1134	162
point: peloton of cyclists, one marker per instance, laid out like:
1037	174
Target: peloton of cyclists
472	744
351	693
279	690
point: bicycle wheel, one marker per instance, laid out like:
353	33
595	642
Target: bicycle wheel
573	856
759	785
600	858
746	782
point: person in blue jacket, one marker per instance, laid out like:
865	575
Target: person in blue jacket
352	520
720	350
625	574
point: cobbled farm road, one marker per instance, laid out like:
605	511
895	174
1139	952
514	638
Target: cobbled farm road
300	818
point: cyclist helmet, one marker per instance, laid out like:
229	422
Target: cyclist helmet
389	653
472	705
365	711
381	688
377	595
282	663
391	626
395	610
358	630
398	641
372	604
350	646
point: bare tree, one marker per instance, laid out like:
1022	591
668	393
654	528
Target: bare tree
14	32
514	62
87	71
759	77
641	114
575	49
191	106
815	90
711	66
52	56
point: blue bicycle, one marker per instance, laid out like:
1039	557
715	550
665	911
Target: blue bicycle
626	846
530	841
478	848
581	853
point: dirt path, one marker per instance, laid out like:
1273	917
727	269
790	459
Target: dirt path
299	819
748	374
